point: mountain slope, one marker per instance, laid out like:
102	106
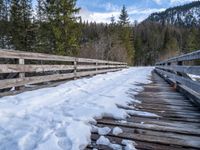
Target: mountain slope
186	15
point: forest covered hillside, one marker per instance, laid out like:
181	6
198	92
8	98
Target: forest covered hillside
166	34
187	15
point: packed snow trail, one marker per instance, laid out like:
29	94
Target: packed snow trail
61	118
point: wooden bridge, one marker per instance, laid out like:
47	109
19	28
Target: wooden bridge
173	95
20	68
175	98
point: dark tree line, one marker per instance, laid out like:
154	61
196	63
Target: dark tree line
155	42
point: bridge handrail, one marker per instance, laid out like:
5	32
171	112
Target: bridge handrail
186	57
67	68
181	75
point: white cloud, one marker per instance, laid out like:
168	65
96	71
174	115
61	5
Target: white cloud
172	2
175	2
135	13
99	17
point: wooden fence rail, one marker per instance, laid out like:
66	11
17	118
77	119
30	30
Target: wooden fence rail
185	77
73	67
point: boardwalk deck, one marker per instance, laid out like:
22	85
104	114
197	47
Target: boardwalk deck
176	128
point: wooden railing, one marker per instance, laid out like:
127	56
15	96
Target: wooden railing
184	72
34	68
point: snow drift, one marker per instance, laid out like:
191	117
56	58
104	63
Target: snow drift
61	117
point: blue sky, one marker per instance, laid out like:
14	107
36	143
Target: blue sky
102	10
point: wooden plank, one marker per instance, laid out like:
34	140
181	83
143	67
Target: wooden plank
186	57
172	97
165	111
99	61
156	106
140	145
159	139
164	122
162	134
181	130
170	101
192	95
33	56
183	69
9	68
82	67
163	94
33	80
4	53
39	79
31	88
187	82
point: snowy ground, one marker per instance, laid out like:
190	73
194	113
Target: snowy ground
62	117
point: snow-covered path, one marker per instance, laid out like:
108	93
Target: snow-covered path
59	118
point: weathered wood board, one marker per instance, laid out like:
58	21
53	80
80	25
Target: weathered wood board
176	128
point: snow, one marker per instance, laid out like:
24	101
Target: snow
117	130
122	121
104	130
105	141
141	113
129	145
62	117
102	140
194	77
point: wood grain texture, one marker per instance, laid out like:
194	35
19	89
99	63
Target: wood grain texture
40	56
81	67
177	128
195	70
194	85
186	57
39	79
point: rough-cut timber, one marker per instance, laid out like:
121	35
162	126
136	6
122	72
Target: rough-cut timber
26	72
176	128
39	79
4	53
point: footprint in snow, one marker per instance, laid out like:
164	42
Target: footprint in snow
65	143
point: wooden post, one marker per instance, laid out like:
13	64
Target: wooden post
96	66
22	74
179	63
75	68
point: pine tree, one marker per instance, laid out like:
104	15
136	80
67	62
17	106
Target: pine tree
15	19
4	24
64	25
21	26
112	20
44	38
192	40
126	35
124	18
